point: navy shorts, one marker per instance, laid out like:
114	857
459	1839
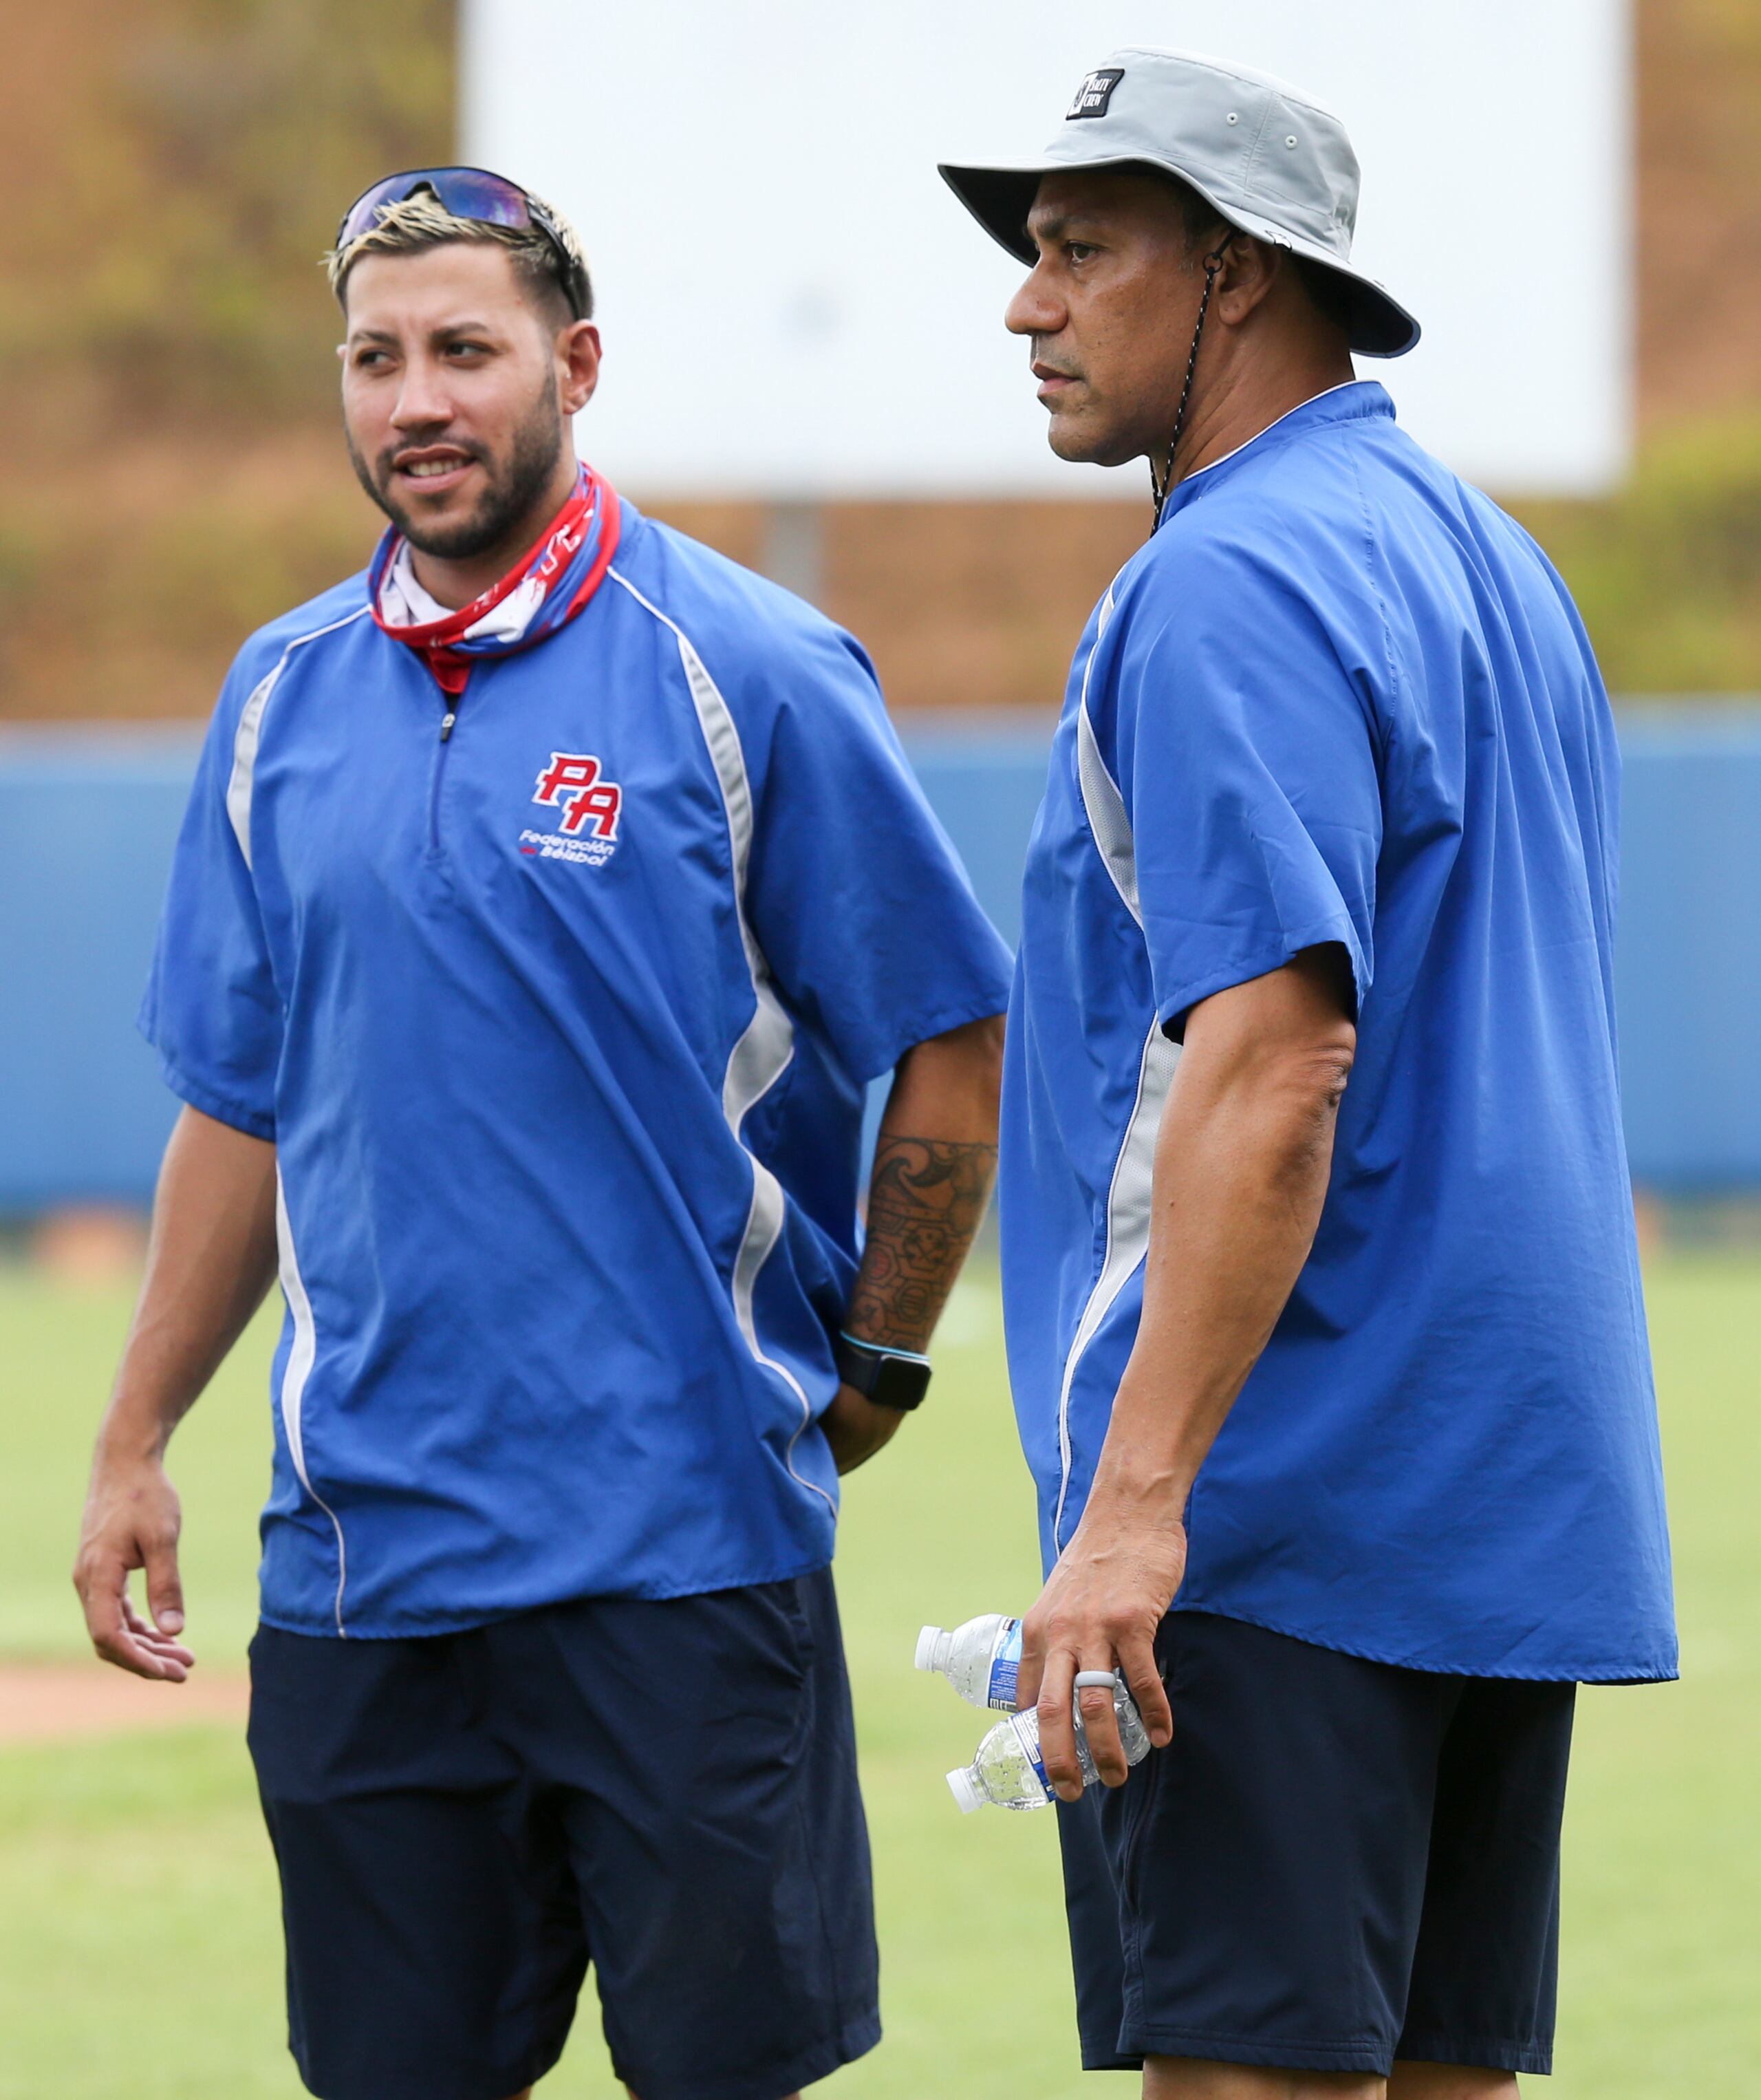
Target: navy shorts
1335	1862
667	1789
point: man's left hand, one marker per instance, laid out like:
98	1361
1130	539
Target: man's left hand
1101	1606
855	1428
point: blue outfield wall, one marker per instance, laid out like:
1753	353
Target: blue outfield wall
1687	964
86	824
87	819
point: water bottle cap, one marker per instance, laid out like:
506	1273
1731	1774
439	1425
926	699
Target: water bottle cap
927	1640
965	1789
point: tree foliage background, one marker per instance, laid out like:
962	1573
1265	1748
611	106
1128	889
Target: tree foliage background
169	469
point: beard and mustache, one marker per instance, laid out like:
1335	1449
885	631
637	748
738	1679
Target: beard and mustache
517	484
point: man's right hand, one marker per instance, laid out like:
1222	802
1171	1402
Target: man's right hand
209	1262
131	1520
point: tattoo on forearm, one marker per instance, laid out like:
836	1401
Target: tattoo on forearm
926	1199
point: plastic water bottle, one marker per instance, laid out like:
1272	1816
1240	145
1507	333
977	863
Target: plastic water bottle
1008	1772
981	1659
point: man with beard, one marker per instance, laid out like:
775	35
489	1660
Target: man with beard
546	899
1324	1315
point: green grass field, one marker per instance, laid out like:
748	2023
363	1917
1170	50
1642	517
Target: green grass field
140	1949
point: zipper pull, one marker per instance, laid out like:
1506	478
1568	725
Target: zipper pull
447	668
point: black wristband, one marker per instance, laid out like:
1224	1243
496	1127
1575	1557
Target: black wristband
890	1378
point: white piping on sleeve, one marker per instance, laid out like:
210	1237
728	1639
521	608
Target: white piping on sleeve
244	774
1101	798
241	783
302	1353
1129	1192
1128	1230
767	1044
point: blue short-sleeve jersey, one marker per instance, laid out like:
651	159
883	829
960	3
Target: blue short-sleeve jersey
561	1028
1340	698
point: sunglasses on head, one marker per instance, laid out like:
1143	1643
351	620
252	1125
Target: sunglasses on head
472	193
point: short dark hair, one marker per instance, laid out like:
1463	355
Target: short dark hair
1327	292
1198	218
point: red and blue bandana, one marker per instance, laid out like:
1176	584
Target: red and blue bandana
536	596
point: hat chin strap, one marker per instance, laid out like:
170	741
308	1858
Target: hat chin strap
1159	484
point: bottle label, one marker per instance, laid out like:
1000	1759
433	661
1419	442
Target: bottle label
1027	1735
1006	1667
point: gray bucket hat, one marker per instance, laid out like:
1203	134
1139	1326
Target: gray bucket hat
1266	158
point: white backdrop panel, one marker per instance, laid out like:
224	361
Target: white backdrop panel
793	304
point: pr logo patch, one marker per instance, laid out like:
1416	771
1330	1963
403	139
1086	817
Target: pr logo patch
592	810
1095	92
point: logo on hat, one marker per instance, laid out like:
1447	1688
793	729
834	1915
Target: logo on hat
1095	92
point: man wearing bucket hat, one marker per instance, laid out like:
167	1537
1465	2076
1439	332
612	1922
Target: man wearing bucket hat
1337	1395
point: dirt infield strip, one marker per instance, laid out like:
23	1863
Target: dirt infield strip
42	1702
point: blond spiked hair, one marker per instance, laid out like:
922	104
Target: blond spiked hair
422	220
